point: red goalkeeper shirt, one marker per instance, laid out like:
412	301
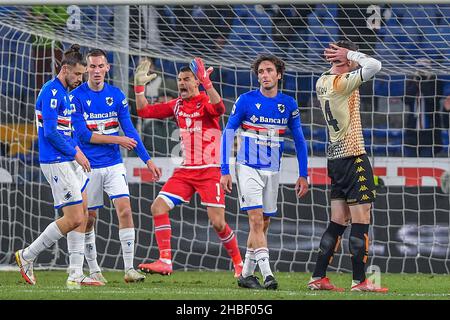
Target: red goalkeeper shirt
198	121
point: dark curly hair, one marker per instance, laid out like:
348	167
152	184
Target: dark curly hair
279	64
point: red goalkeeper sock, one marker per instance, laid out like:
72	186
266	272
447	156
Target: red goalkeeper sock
230	243
163	234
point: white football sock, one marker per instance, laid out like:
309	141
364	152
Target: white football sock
262	257
45	240
75	246
127	237
249	263
90	251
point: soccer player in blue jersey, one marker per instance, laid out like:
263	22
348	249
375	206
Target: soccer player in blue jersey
62	163
101	108
263	116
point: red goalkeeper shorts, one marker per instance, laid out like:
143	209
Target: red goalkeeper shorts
185	182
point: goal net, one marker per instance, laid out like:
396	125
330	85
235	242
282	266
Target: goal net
404	112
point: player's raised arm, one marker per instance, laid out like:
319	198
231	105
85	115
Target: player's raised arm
143	107
130	131
217	107
369	66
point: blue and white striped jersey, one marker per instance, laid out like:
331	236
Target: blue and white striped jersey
263	122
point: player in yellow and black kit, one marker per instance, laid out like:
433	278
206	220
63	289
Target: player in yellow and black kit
352	183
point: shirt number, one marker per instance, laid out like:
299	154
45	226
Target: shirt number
332	122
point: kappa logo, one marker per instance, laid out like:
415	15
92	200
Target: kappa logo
54	91
281	107
109	101
88	102
258	105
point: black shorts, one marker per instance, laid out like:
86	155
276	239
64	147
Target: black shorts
352	180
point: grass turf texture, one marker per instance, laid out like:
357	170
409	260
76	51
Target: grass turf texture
206	285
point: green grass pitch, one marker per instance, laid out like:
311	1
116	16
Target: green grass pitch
207	285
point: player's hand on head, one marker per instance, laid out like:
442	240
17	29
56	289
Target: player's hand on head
335	53
226	183
198	68
301	187
81	159
154	170
127	143
141	75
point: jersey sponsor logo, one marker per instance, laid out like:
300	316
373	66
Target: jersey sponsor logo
88	102
92	115
109	101
53	103
188	122
85	116
125	103
295	113
268	143
188	115
272	120
54	91
258	105
234	109
281	107
254	118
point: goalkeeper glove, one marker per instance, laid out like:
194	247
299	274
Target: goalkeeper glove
141	77
198	68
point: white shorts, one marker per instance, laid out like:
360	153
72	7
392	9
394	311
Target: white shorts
112	180
257	189
67	180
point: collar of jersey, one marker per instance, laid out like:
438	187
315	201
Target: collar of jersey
263	96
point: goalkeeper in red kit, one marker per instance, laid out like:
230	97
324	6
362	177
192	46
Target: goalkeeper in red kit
197	114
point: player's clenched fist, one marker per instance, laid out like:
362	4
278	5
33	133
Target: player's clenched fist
226	183
198	68
142	76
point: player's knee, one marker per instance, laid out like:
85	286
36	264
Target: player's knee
357	248
256	223
218	224
125	214
327	244
90	222
76	221
157	209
